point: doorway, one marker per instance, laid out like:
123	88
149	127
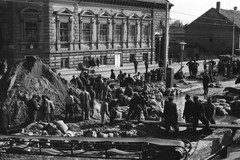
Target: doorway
145	57
103	60
64	62
118	60
132	57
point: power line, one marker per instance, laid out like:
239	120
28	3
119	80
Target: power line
203	17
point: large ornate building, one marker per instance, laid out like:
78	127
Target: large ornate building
64	33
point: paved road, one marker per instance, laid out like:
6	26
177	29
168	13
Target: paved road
128	68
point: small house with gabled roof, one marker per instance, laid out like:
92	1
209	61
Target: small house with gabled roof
212	32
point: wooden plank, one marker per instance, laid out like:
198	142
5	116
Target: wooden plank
181	124
230	126
155	141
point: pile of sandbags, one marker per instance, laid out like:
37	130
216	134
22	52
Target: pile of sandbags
222	107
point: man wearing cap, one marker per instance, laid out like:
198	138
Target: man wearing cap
188	109
171	115
199	114
137	104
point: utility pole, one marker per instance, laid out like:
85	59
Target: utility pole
233	36
166	39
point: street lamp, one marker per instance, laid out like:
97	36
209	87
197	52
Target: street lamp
182	44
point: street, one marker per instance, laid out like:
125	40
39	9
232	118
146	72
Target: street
104	70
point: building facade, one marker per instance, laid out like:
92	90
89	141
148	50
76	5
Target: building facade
66	33
212	33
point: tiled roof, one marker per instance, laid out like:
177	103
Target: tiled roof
229	15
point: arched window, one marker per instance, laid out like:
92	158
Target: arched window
30	26
86	26
132	28
103	30
64	27
146	28
119	19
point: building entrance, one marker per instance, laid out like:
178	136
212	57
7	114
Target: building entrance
64	62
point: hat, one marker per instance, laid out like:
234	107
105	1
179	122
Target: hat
195	97
170	99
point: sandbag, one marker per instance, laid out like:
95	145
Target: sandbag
57	132
70	133
97	106
221	112
61	126
50	128
237	122
221	100
225	105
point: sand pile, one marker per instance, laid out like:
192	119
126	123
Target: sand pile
31	76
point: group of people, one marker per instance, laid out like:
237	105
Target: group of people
227	66
91	62
100	89
193	68
40	108
193	112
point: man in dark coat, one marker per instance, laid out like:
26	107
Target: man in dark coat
4	120
190	67
112	76
199	114
171	115
135	62
120	78
210	111
188	109
97	62
33	108
195	69
146	65
206	81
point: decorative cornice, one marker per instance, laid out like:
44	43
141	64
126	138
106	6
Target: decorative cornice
136	3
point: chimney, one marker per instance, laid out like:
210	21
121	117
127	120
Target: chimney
218	7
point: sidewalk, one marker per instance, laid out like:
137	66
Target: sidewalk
125	67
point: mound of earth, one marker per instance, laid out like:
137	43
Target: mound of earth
27	77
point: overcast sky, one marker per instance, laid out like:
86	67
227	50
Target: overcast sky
188	10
